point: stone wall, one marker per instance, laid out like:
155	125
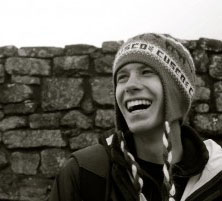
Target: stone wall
57	100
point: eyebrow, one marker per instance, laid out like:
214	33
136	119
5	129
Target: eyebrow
145	66
120	70
142	66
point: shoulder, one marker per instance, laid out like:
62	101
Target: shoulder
213	168
93	158
211	176
70	169
215	155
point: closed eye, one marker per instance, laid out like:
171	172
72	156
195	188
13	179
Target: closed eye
122	78
147	72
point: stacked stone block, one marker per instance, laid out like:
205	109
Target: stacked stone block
54	101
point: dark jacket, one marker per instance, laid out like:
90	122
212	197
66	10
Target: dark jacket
88	174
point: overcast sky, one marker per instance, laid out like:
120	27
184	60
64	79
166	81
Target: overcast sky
65	22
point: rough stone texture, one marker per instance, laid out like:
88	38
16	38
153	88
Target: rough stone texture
97	54
102	90
210	44
3	159
25	163
202	93
8	51
13	122
87	105
1	115
202	108
189	44
52	160
7	189
200	81
104	118
33	189
215	69
2	74
218	95
49	120
218	86
33	138
41	52
69	63
201	60
79	49
209	123
111	46
83	140
28	66
67	133
104	64
219	101
25	107
12	93
76	119
25	79
61	93
25	189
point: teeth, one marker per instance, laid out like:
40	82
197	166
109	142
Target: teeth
133	103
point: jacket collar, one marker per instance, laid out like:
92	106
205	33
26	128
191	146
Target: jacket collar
195	154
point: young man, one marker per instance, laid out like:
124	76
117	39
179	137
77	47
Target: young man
152	156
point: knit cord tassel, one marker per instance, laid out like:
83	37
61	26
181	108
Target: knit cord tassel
167	157
135	177
142	197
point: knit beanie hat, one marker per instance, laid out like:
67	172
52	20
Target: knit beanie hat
174	65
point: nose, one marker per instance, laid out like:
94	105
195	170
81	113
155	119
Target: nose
133	84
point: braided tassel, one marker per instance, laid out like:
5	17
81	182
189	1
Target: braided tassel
168	180
135	177
142	197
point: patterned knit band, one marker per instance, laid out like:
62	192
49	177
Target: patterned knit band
159	54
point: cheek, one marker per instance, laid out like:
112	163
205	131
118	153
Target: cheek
118	96
160	95
156	88
160	92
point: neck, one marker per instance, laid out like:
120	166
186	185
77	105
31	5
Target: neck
149	146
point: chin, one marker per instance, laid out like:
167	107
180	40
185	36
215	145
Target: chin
139	129
144	127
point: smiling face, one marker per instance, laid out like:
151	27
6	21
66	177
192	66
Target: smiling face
139	95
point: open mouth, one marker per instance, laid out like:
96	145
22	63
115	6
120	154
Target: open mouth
138	105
